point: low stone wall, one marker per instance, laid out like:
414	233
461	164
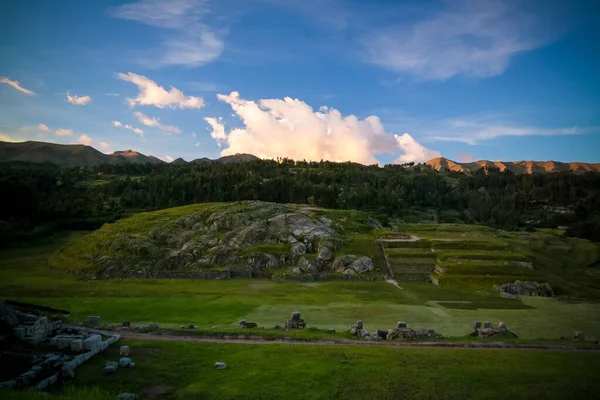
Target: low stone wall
327	277
412	277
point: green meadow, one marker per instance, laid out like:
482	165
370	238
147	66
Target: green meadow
449	309
184	370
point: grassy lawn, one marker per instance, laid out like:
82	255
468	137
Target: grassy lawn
450	310
186	371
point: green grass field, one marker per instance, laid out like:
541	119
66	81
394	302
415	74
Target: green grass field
450	310
182	370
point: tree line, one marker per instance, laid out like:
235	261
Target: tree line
35	200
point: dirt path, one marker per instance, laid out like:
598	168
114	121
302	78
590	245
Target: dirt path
261	341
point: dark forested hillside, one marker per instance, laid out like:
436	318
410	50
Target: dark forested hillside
38	199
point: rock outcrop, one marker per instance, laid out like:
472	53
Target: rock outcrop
524	288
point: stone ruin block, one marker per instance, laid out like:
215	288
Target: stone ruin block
381	334
110	367
220	365
401	325
359	324
126	324
579	335
477	325
488	330
295	322
92	321
124	362
77	345
92	343
124	351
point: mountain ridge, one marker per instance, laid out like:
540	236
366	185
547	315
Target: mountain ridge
518	167
75	155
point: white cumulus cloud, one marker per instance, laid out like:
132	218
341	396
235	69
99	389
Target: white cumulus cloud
84	139
137	131
151	94
64	132
413	151
43	127
155	123
16	85
167	158
78	100
291	128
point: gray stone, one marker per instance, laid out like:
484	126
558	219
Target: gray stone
92	342
526	288
341	263
127	396
220	365
126	324
124	362
299	248
124	351
242	323
401	324
579	335
110	369
359	324
191	326
215	327
331	330
373	223
77	345
381	334
477	325
325	254
362	265
93	321
132	365
487	324
296	316
63	342
501	325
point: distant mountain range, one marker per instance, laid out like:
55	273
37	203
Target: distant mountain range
518	167
73	155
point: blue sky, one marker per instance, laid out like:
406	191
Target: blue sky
377	81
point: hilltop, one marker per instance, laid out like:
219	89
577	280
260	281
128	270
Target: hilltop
518	167
79	155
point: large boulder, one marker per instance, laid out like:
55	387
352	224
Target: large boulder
222	255
362	265
325	254
373	223
525	288
341	263
262	261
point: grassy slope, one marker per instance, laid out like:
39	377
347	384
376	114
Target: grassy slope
327	372
449	310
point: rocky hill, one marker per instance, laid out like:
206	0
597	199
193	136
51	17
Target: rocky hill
60	154
134	157
73	155
518	167
221	241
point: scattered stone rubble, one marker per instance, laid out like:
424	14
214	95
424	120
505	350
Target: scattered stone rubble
295	322
73	345
524	288
401	332
488	330
244	324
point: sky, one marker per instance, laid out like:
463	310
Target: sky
374	82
